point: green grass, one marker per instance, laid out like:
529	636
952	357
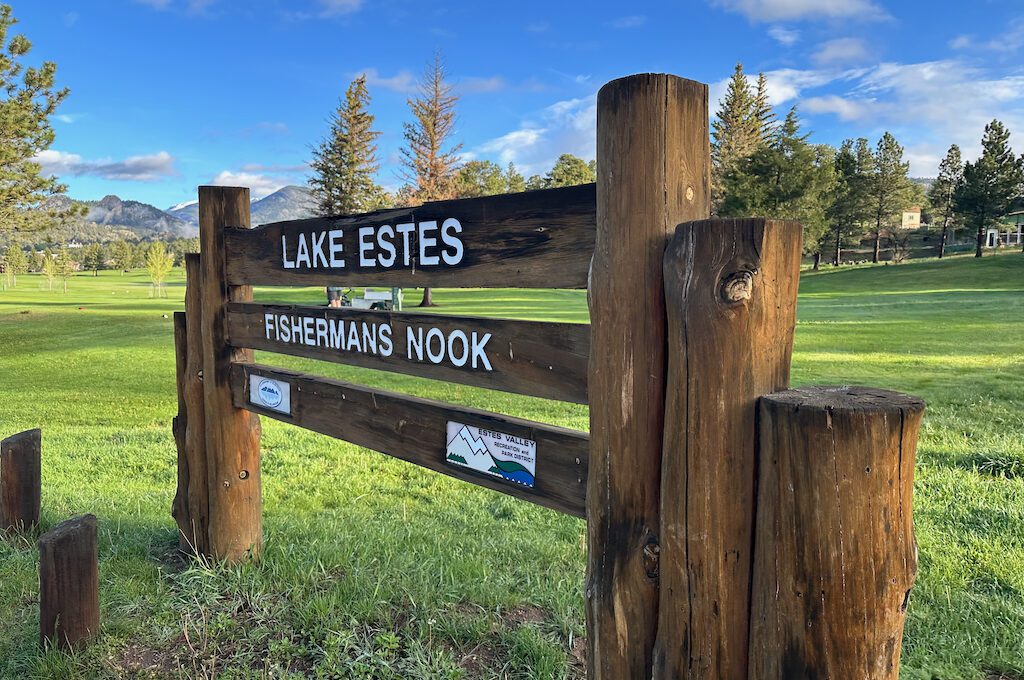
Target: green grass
377	569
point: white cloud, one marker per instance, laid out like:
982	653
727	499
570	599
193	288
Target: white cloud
845	109
792	10
331	8
148	168
784	84
70	19
404	81
476	84
567	126
841	51
155	4
632	21
784	36
259	185
961	42
1011	40
538	27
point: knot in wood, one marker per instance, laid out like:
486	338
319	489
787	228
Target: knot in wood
651	552
737	286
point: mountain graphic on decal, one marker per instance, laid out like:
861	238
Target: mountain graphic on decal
470	451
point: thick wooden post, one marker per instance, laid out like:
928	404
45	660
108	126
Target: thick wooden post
731	290
191	507
20	480
653	173
232	434
69	583
835	555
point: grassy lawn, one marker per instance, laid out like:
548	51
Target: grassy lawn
375	568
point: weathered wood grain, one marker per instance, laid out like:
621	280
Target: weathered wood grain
69	583
535	239
653	173
535	358
414	430
232	434
20	480
835	552
730	287
191	507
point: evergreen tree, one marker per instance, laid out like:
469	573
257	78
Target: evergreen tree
568	171
121	254
159	262
431	161
764	115
345	163
15	262
848	204
734	132
93	258
64	266
28	97
481	178
889	188
943	190
514	179
990	184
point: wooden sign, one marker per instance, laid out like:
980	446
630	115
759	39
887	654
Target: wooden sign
525	357
535	239
417	430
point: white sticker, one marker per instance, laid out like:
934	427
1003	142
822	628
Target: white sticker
269	393
498	454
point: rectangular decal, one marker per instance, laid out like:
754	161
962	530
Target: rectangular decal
275	395
495	453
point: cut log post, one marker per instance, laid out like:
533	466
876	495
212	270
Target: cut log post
652	142
191	507
20	480
232	434
835	556
731	287
69	583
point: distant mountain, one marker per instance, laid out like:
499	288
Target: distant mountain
288	203
141	219
925	182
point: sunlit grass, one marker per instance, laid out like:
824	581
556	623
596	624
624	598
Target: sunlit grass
375	568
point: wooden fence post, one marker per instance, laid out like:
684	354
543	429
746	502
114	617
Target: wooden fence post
20	480
731	290
191	507
653	173
835	555
232	434
69	583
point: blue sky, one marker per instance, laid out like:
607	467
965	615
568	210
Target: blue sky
170	94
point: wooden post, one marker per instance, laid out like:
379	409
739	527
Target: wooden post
835	552
653	173
731	290
232	434
191	507
20	480
69	583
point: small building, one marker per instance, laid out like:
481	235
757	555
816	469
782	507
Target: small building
911	218
1010	233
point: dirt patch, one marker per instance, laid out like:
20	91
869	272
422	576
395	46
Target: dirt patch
522	614
139	659
483	661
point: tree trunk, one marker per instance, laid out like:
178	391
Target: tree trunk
942	241
878	241
839	246
980	240
817	260
428	298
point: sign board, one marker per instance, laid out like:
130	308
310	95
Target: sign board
268	393
494	453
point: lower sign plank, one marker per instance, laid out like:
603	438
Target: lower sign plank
537	358
417	430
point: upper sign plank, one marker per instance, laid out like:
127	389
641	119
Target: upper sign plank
536	239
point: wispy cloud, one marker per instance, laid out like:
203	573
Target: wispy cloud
475	84
632	21
260	185
333	8
538	27
1010	40
841	51
148	168
794	10
155	4
784	36
70	19
404	81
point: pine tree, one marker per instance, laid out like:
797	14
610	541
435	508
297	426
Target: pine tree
848	208
481	178
121	254
735	134
889	188
28	97
93	258
990	184
15	262
345	163
568	171
514	179
48	267
943	191
764	115
431	162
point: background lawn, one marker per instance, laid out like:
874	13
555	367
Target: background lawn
375	568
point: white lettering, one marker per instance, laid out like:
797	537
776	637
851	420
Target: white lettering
439	355
414	343
288	264
478	350
318	248
364	246
336	247
405	230
428	242
452	225
460	336
386	245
